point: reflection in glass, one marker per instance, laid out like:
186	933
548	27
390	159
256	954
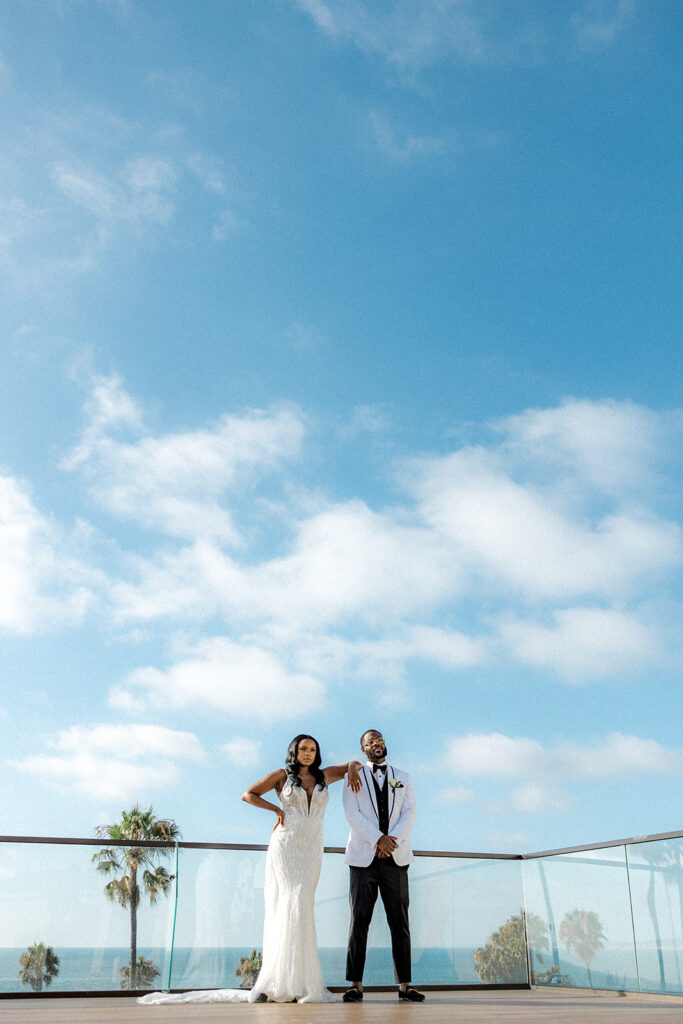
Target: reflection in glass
610	918
582	901
53	894
656	872
455	906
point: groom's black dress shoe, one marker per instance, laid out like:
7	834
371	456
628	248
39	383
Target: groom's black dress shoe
353	995
411	994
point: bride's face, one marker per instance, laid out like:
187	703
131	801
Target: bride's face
306	752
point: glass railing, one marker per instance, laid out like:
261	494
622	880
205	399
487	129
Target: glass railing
607	917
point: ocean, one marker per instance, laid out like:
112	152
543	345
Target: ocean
84	969
88	969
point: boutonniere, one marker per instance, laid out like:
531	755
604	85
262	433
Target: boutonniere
396	784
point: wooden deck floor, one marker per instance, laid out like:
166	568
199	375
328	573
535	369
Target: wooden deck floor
490	1007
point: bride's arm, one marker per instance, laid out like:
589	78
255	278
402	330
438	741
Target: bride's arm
254	795
337	771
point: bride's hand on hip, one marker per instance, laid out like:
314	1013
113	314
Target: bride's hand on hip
280	818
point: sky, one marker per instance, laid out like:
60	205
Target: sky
341	389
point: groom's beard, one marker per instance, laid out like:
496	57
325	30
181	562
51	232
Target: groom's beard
378	757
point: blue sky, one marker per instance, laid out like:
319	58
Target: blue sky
341	388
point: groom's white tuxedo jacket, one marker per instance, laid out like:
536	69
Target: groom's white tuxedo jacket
362	815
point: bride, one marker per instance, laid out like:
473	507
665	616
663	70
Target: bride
290	969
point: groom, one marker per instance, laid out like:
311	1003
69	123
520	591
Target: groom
381	816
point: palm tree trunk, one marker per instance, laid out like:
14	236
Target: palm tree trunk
133	982
655	925
590	980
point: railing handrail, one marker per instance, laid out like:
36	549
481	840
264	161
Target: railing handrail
455	854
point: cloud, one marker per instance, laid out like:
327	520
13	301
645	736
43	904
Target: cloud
536	517
601	22
42	583
81	183
534	798
240	680
176	482
242	752
407	35
583	643
305	337
614	447
453	795
403	147
495	755
141	192
511	842
114	762
541	545
346	563
413	36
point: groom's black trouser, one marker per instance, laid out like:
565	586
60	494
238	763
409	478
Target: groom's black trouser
391	881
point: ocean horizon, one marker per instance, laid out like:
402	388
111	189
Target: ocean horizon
89	969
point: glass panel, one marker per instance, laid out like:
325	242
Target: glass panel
579	920
656	871
219	917
54	895
456	906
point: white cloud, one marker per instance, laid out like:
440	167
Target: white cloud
495	755
508	842
601	22
114	762
453	795
407	35
583	643
349	561
549	514
321	14
242	680
41	583
176	482
346	563
140	193
534	798
612	446
209	172
242	752
531	516
402	146
411	36
226	225
305	337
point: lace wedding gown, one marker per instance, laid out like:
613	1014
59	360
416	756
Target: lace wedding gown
291	966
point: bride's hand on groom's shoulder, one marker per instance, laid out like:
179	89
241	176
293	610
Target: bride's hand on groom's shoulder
354	780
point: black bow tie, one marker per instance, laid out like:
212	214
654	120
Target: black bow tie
380	768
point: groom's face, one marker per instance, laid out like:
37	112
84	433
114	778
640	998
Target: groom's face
374	747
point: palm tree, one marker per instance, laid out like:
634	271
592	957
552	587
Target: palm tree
504	957
248	969
657	855
146	972
127	862
39	966
581	932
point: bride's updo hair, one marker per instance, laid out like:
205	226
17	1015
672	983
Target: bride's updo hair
292	763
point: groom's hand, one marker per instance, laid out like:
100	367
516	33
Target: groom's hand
386	845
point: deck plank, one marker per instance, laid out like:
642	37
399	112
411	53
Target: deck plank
490	1007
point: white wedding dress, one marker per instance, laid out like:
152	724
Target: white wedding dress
291	966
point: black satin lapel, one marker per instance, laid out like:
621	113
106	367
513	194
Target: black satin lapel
393	793
370	788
